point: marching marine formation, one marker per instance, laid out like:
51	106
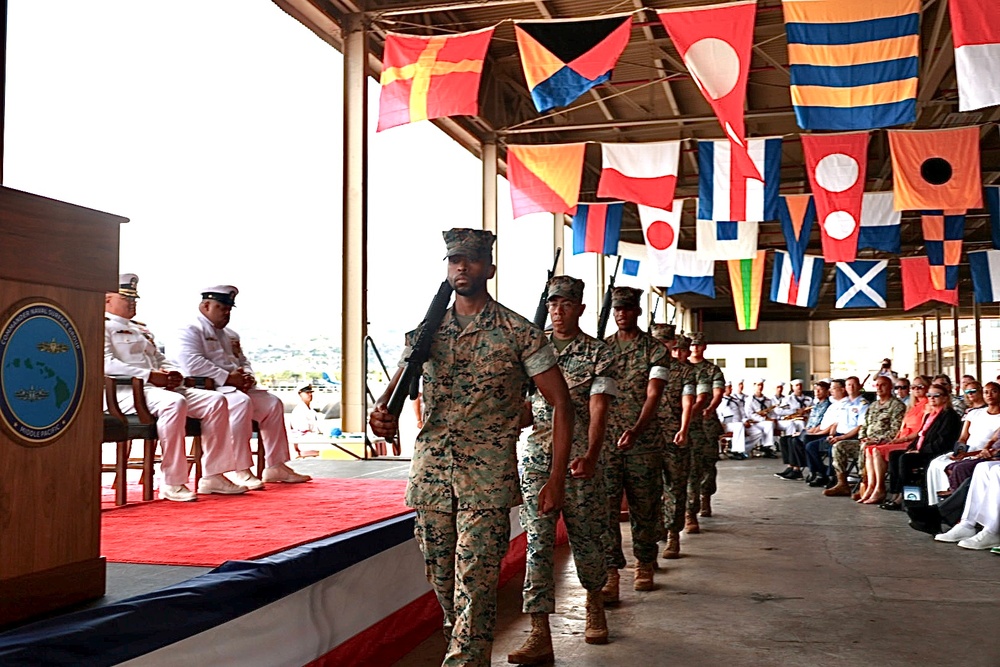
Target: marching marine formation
705	431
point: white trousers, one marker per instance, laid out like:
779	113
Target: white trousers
937	479
743	438
172	408
267	410
766	428
982	505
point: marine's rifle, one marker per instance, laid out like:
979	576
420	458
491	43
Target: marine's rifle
652	315
602	321
409	379
542	310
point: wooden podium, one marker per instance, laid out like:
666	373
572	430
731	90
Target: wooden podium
56	262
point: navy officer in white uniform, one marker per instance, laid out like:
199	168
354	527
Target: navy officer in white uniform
129	349
208	348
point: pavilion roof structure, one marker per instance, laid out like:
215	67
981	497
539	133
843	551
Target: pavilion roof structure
651	97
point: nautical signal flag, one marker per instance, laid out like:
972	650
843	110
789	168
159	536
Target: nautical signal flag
726	240
917	288
640	173
991	193
853	63
661	230
597	228
634	264
797	214
976	33
545	178
714	42
836	165
943	234
563	59
430	77
985	267
936	169
879	223
803	291
693	275
861	284
723	194
746	278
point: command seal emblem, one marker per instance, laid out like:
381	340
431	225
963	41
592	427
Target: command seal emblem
41	372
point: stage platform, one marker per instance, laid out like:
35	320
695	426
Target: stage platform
331	601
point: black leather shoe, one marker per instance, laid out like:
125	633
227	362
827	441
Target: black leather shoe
891	506
769	454
795	475
785	473
811	478
819	482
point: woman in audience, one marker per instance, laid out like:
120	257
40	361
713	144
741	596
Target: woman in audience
978	432
982	506
937	435
872	490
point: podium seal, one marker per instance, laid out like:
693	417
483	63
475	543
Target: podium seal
41	372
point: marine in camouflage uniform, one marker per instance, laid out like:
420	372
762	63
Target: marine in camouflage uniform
705	432
463	478
881	424
588	366
634	469
674	412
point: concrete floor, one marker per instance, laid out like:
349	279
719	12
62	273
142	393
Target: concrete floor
781	575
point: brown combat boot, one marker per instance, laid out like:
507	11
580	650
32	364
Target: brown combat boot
597	622
706	506
537	648
673	548
610	590
643	577
841	488
691	523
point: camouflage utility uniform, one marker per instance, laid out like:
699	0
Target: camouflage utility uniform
704	437
587	365
463	479
679	381
636	471
881	422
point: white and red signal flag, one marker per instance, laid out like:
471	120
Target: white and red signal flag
661	229
976	32
640	173
836	165
715	42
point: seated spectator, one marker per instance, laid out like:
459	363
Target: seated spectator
730	412
304	420
972	394
873	488
792	411
903	391
977	444
880	425
852	411
938	434
957	404
982	507
758	410
828	417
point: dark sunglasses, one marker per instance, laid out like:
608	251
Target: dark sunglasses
902	386
971	391
935	395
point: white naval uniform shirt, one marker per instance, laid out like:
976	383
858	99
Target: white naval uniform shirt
203	350
730	410
129	350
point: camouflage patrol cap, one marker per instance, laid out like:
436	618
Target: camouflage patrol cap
127	284
473	243
697	338
664	332
682	342
566	286
625	297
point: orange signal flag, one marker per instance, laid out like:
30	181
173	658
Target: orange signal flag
936	169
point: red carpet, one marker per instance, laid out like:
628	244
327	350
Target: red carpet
219	528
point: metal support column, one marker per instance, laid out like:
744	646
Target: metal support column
558	239
355	226
939	348
979	341
924	363
490	207
958	348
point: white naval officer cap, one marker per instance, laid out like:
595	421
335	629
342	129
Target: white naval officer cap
304	386
128	284
224	294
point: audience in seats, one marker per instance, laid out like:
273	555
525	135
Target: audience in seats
792	411
818	425
872	489
977	444
880	425
937	435
851	411
779	394
903	391
745	434
741	396
982	507
757	409
957	404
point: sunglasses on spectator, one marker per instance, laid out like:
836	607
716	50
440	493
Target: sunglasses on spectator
902	386
935	395
918	386
971	391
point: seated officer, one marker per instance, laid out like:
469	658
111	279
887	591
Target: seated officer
129	350
207	347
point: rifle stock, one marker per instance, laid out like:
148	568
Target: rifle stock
602	321
409	379
542	310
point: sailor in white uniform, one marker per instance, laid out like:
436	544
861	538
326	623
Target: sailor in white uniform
759	410
129	350
208	348
792	411
733	419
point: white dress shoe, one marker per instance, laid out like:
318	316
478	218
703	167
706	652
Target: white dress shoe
282	473
958	532
179	494
247	479
984	540
219	484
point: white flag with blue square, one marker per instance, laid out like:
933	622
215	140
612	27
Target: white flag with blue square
724	240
